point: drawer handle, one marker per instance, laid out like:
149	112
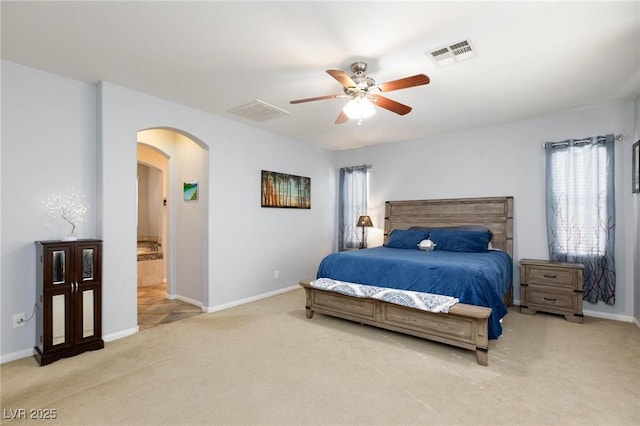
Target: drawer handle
548	299
550	276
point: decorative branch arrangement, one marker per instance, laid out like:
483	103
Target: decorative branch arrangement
69	206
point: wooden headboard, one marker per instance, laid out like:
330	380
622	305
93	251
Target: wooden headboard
496	213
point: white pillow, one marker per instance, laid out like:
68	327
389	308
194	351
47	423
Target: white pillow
426	245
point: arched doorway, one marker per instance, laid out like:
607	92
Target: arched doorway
171	229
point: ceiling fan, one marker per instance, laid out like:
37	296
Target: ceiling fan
364	93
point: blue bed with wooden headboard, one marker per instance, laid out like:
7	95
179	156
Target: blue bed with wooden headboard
463	265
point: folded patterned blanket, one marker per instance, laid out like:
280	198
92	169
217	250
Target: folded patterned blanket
413	299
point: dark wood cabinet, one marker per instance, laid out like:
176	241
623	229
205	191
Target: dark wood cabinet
69	298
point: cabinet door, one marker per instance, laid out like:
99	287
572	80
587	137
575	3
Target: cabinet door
88	295
58	313
58	298
87	313
87	258
58	268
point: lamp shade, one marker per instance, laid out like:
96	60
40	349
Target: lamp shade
365	221
359	108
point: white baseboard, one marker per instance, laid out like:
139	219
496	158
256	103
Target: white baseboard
186	300
209	309
24	353
604	315
120	334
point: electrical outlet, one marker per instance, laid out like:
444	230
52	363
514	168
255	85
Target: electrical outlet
18	320
276	274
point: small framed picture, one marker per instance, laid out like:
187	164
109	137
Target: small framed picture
190	190
635	168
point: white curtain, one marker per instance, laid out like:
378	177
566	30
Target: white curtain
352	203
581	215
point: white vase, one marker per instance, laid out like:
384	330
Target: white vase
70	239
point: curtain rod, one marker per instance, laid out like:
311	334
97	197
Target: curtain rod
617	137
368	166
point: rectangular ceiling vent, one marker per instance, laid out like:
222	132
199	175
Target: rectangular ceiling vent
454	52
258	111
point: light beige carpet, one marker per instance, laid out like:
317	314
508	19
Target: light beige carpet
266	363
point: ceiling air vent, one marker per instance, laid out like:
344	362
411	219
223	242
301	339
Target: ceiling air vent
258	111
454	52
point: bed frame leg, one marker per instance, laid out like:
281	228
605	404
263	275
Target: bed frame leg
309	313
483	356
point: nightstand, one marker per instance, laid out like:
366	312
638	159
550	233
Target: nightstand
554	287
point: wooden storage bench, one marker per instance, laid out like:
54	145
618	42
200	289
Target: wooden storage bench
465	326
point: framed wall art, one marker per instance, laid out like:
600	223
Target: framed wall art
284	190
635	168
190	190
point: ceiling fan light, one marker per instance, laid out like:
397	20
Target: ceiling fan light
359	108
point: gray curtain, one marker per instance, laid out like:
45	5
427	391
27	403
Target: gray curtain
581	217
352	203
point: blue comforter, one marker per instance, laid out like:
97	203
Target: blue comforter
474	278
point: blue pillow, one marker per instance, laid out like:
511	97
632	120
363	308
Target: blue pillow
406	239
460	240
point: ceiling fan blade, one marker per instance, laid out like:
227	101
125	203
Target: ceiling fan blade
343	78
391	105
318	98
342	118
403	83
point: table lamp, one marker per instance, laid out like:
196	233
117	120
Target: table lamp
364	222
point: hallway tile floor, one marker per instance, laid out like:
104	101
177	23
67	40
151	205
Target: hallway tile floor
155	309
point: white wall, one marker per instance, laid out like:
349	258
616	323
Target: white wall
48	146
500	161
190	162
149	202
246	243
51	139
143	202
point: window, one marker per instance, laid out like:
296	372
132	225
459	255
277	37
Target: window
581	210
353	196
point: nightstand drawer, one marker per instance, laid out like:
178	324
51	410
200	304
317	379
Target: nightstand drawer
552	301
556	277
